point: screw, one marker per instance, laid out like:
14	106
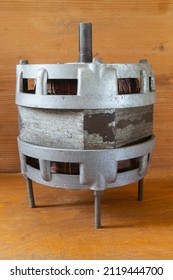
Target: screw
143	61
24	61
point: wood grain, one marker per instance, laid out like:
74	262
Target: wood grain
61	227
123	32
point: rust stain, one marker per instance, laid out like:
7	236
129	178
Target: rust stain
100	124
147	117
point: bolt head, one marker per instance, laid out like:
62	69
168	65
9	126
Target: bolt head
143	61
24	61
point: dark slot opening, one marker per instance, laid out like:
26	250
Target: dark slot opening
150	84
149	157
127	165
62	86
32	162
128	85
68	168
28	85
139	141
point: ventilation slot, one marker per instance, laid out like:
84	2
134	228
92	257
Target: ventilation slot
128	86
29	86
127	165
32	162
151	84
62	87
68	168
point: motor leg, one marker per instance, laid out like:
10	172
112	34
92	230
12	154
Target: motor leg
140	189
97	207
30	192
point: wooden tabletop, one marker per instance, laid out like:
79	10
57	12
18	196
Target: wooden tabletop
62	224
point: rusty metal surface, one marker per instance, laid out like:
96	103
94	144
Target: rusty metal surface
133	125
88	129
99	129
118	127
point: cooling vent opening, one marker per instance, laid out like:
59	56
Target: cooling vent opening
33	162
128	165
62	86
68	168
29	86
151	84
128	86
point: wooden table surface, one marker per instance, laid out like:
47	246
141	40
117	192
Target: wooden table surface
62	226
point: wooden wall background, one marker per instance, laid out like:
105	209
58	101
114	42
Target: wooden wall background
123	32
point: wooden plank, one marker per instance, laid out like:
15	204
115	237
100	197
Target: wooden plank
64	220
123	32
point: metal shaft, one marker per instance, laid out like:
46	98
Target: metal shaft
97	206
85	42
140	189
30	193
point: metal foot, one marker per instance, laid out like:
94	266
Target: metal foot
30	192
140	189
97	207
